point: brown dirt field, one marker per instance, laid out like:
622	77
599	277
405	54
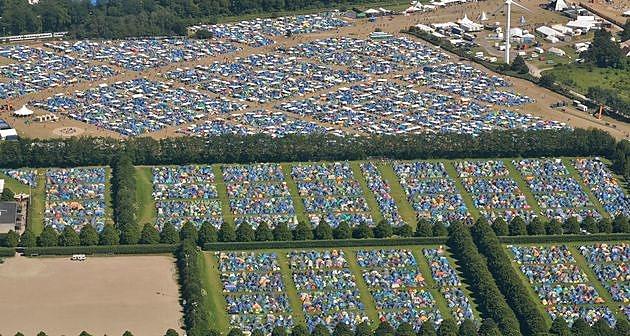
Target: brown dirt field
103	296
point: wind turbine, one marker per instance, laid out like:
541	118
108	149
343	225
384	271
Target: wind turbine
508	14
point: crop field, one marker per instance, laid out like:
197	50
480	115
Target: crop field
359	192
103	295
268	288
577	280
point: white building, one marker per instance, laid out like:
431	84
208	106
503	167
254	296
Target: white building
468	25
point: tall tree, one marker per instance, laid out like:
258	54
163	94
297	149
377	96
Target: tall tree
282	232
169	234
227	232
244	232
323	231
207	234
149	235
109	236
69	237
189	231
302	231
48	237
88	236
263	232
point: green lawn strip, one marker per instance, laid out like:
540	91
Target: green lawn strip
223	195
398	194
468	200
576	175
603	293
369	196
529	286
516	176
145	210
432	286
35	220
300	212
364	291
291	291
211	282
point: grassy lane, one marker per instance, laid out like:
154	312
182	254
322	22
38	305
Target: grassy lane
404	208
291	291
211	282
222	192
514	174
145	210
574	173
603	293
450	169
369	196
425	270
109	208
364	291
528	287
295	194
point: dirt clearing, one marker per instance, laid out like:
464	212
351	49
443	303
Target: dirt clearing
103	296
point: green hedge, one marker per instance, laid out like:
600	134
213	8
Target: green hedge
564	238
112	249
325	243
7	252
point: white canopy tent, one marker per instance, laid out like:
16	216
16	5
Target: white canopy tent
23	112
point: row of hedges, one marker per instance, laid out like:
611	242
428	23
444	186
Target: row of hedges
111	249
491	301
7	252
325	243
531	319
189	264
564	238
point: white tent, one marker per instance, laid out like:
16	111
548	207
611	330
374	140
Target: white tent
468	25
560	5
23	112
484	17
371	11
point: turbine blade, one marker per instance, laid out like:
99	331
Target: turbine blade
521	6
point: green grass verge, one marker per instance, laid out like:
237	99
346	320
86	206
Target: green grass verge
291	291
398	194
222	192
516	176
425	269
369	196
211	282
364	291
145	204
300	211
574	173
452	173
581	77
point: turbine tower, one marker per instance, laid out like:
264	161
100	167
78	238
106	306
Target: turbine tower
508	14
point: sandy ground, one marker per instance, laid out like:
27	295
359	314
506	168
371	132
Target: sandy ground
361	29
103	295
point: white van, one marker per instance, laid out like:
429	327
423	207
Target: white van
78	257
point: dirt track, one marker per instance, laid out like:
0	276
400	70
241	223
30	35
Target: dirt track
103	296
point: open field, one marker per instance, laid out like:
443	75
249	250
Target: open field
103	295
259	95
580	78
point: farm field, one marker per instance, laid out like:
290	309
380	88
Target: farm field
358	192
284	287
103	295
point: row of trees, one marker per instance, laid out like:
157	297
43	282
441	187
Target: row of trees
190	266
490	301
208	233
117	18
169	332
123	184
531	319
90	151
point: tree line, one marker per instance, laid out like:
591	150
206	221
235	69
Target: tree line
94	151
130	18
148	234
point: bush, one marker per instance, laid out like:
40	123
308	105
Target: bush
111	249
325	243
7	252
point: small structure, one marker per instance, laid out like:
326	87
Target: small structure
483	17
23	112
468	25
8	216
46	117
559	5
372	12
556	51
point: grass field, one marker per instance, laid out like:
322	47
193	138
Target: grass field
145	211
219	316
36	208
581	77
